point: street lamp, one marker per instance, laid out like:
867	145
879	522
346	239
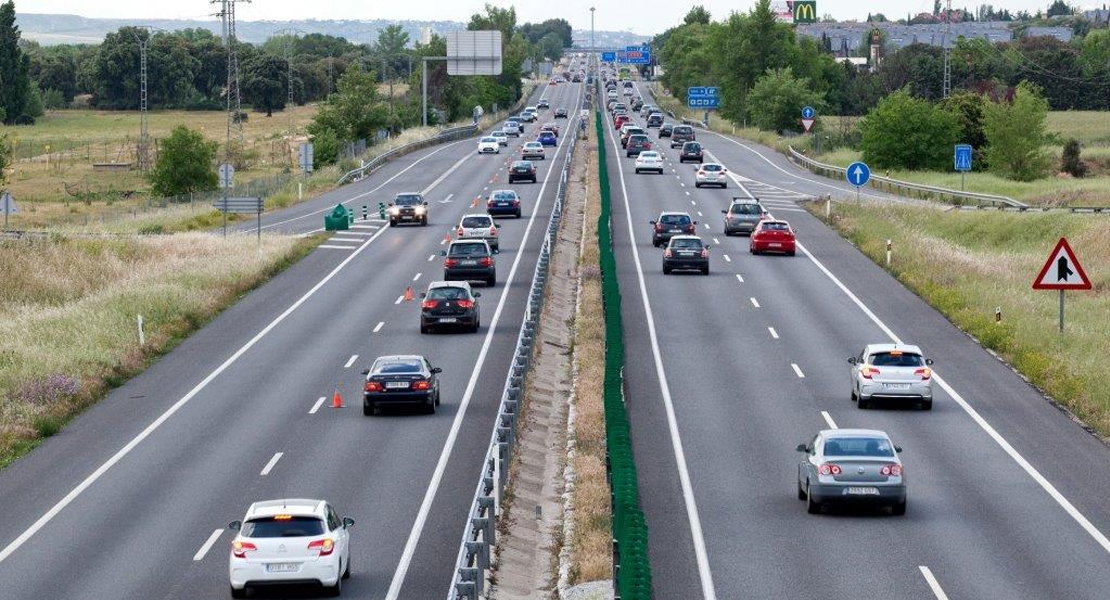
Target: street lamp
593	45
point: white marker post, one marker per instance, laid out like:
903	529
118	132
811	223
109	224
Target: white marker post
142	336
888	245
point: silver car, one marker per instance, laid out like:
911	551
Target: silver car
478	227
743	215
851	466
511	129
895	372
711	174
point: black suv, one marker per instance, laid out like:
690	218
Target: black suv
450	304
522	170
408	208
655	120
401	380
665	130
691	151
671	224
469	260
682	134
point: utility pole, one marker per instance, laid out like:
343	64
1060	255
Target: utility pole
234	106
947	89
290	35
593	44
144	118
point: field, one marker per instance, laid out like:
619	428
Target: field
966	264
69	309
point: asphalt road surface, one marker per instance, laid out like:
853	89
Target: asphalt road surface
726	374
132	499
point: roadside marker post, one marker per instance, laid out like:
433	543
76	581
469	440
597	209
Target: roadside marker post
365	212
888	246
858	174
1062	272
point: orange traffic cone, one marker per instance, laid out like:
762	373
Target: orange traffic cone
474	204
447	238
336	399
408	294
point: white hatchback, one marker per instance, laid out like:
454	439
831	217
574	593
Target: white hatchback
293	541
649	160
489	145
478	227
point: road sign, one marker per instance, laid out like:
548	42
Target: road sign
963	157
608	57
7	205
703	97
640	56
305	156
473	52
239	205
858	174
808	123
809	113
635	48
1062	271
227	176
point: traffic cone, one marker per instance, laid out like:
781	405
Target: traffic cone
336	399
474	204
408	294
447	238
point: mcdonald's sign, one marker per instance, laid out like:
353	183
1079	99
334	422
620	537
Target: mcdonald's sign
805	11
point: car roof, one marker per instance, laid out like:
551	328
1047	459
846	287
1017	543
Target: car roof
673	213
525	162
745	200
513	192
472	215
532	142
907	348
399	357
685	237
296	506
827	433
775	221
449	284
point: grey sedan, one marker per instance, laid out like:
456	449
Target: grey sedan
895	372
851	466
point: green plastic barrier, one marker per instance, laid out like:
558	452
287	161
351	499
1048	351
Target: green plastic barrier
339	219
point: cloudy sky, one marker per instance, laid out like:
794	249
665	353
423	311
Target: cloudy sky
644	16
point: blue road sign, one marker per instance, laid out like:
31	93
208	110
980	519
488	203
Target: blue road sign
808	112
858	174
635	48
963	157
703	97
639	56
608	57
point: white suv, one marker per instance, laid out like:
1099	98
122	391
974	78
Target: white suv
478	227
290	542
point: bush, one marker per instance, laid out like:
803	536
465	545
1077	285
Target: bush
53	99
775	100
1070	162
904	132
1016	134
185	164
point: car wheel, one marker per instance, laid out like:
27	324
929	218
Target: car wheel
491	280
474	327
697	185
853	394
437	398
367	409
861	403
812	506
238	593
392	223
898	509
724	186
424	328
705	271
791	253
927	405
336	590
517	216
801	491
637	171
347	571
666	270
424	222
430	406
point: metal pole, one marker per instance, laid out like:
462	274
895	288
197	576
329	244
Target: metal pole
963	175
224	211
1061	311
424	91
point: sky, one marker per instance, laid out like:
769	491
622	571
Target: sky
645	17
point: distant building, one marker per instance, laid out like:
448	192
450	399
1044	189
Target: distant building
844	39
1064	34
1098	15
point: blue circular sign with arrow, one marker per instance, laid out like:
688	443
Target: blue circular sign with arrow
808	112
858	174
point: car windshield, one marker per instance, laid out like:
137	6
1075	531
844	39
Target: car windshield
468	250
683	244
775	226
473	222
859	446
408	200
691	147
674	220
397	365
282	526
489	139
897	359
746	209
448	293
712	167
649	155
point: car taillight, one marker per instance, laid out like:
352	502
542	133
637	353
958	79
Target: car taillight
667	253
701	173
658	228
489	202
239	549
449	262
486	262
493	230
461	232
690	229
868	371
324	546
466	303
373	386
429	304
704	253
829	469
420	385
924	372
888	470
516	202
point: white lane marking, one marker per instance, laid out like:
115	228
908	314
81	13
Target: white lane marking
755	303
688	193
727	259
317	405
350	361
791	209
774	334
692	203
352	232
138	439
400	299
431	258
716	241
828	419
441	466
270	465
379	326
345	240
699	214
700	554
706	225
933	583
739	278
448	198
417	276
1026	466
207	545
798	371
336	247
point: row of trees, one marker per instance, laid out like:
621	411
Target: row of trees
20	99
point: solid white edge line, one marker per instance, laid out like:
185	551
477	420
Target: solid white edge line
207	545
336	247
317	405
798	371
1047	486
379	326
138	439
774	334
270	465
441	466
350	361
700	554
828	419
933	583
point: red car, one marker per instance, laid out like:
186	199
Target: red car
620	121
772	235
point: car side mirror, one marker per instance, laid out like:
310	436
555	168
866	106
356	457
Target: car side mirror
707	246
477	294
851	360
724	212
437	370
365	371
497	251
898	449
425	203
390	204
695	222
348	522
235	525
651	222
929	361
423	295
443	253
802	448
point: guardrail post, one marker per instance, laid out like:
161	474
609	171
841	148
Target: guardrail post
480	551
465	590
485	524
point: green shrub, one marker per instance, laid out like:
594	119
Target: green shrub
904	132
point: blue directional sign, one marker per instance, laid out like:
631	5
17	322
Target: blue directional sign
858	174
637	56
608	57
963	157
808	112
703	97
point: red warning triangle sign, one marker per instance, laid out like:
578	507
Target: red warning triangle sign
1062	271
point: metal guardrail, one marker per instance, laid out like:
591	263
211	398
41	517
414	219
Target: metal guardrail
447	135
480	532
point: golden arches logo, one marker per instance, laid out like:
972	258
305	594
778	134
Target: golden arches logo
805	12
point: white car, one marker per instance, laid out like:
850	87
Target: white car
529	115
711	174
502	139
489	145
290	541
478	227
510	129
532	150
649	160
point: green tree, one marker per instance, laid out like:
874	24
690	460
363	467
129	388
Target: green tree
777	99
185	164
15	80
355	111
5	157
1070	161
969	108
550	46
1016	134
265	83
1059	8
744	47
905	132
697	14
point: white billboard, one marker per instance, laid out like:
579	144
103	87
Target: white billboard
784	11
474	52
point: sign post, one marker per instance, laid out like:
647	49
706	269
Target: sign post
305	156
227	181
1062	272
7	204
809	117
963	161
858	174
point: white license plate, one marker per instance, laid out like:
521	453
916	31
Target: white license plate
896	386
397	385
863	491
281	567
686	254
775	245
468	263
449	320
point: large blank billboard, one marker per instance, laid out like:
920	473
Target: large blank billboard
474	53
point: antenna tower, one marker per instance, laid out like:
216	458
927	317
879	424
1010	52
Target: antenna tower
234	104
947	89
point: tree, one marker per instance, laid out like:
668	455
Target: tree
698	14
550	46
265	83
777	98
15	80
1070	162
185	164
1059	8
919	66
968	106
905	132
743	48
354	112
1016	134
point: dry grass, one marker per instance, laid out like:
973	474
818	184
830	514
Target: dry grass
968	263
68	310
590	550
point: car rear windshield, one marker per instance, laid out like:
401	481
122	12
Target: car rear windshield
504	195
690	146
686	244
897	359
547	134
468	250
397	365
776	227
472	222
652	154
683	129
522	165
408	200
675	220
859	446
281	526
489	139
638	137
448	293
746	209
712	168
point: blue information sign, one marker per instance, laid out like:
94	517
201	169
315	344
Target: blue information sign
808	112
703	97
858	174
608	57
963	157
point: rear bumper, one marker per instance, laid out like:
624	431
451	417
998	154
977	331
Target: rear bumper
837	494
916	392
783	247
447	320
721	182
396	398
680	264
253	574
502	210
514	177
468	274
739	227
533	156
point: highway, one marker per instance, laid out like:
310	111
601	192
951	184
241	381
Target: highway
132	499
726	374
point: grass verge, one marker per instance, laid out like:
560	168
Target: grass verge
69	309
967	264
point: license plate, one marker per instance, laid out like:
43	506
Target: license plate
686	254
281	567
503	204
397	385
468	263
406	217
863	491
675	231
775	245
896	386
449	320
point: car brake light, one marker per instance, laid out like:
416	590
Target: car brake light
486	262
704	253
466	304
489	202
888	470
449	262
493	230
829	469
373	386
700	172
516	202
239	548
667	253
868	371
690	229
420	385
924	372
325	546
429	304
658	228
461	231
